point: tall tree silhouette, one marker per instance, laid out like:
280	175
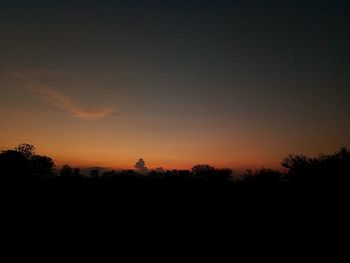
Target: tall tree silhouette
141	166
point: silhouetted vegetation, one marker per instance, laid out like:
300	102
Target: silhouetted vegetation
66	172
23	164
325	168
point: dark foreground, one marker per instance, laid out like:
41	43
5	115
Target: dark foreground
173	217
168	192
307	184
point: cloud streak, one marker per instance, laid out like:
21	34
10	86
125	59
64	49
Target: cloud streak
61	101
28	79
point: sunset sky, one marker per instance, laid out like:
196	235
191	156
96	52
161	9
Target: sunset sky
233	84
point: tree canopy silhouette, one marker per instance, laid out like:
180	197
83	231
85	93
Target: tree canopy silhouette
330	167
22	162
209	173
26	149
141	166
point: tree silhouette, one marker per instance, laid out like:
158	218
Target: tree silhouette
221	175
324	168
202	171
22	162
327	169
14	165
76	173
268	176
26	149
94	173
298	167
41	165
66	172
141	166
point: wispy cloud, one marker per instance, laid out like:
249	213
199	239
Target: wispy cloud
61	101
29	79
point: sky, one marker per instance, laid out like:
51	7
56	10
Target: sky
238	84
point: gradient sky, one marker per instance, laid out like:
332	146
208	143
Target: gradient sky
230	83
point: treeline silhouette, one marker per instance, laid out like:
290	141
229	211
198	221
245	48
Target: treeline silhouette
23	164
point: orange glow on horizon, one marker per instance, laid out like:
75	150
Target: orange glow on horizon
179	139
